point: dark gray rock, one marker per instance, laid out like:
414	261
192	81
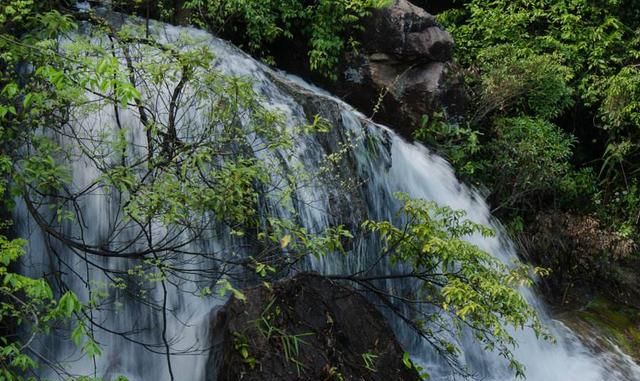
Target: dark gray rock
406	61
436	7
407	33
337	330
401	71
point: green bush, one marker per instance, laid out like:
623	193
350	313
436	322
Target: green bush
519	82
528	157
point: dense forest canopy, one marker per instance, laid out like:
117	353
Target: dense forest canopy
552	125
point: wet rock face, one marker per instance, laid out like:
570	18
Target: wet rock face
305	328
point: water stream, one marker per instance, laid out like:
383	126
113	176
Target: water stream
380	161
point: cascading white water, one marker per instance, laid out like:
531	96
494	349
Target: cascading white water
382	161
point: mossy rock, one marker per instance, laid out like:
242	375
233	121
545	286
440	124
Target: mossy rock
603	322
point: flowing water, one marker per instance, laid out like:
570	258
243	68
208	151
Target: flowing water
380	161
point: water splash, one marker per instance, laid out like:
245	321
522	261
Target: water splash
382	162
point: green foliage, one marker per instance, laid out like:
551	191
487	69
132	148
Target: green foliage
31	100
30	303
191	171
302	242
508	142
522	160
459	143
518	81
224	286
369	360
409	364
621	109
526	156
469	286
592	38
323	24
622	210
620	114
241	344
570	62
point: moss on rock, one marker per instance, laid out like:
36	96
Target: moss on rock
604	323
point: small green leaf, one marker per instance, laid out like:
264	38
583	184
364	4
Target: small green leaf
284	242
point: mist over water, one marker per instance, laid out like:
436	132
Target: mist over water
381	162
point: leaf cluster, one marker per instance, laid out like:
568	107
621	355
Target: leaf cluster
459	288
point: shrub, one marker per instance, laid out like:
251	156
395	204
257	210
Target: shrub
528	157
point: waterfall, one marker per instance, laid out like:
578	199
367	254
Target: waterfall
380	162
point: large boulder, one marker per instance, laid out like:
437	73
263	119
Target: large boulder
401	71
305	328
406	60
407	33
